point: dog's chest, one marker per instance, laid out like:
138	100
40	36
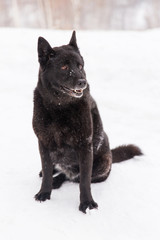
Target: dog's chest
73	124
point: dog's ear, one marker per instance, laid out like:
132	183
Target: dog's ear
73	41
44	51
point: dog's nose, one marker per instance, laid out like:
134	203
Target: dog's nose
81	83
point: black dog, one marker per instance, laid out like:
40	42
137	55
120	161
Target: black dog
72	142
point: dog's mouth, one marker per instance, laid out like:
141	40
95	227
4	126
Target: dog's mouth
73	92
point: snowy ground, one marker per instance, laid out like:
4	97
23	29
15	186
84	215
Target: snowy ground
123	70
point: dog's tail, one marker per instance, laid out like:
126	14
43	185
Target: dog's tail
125	152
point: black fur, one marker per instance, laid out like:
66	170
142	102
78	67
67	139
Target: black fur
72	142
123	153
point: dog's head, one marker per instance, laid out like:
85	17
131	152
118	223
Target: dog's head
62	68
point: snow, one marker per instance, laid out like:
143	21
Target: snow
124	75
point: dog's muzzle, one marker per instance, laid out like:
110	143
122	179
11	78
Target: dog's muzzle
81	83
78	90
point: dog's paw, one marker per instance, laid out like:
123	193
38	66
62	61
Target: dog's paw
42	196
58	181
87	204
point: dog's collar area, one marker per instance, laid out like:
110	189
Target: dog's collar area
72	92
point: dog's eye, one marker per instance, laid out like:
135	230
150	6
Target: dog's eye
65	67
80	66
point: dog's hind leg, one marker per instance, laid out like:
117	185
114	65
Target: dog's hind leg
59	180
101	167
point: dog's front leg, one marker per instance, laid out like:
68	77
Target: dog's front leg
86	162
47	169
